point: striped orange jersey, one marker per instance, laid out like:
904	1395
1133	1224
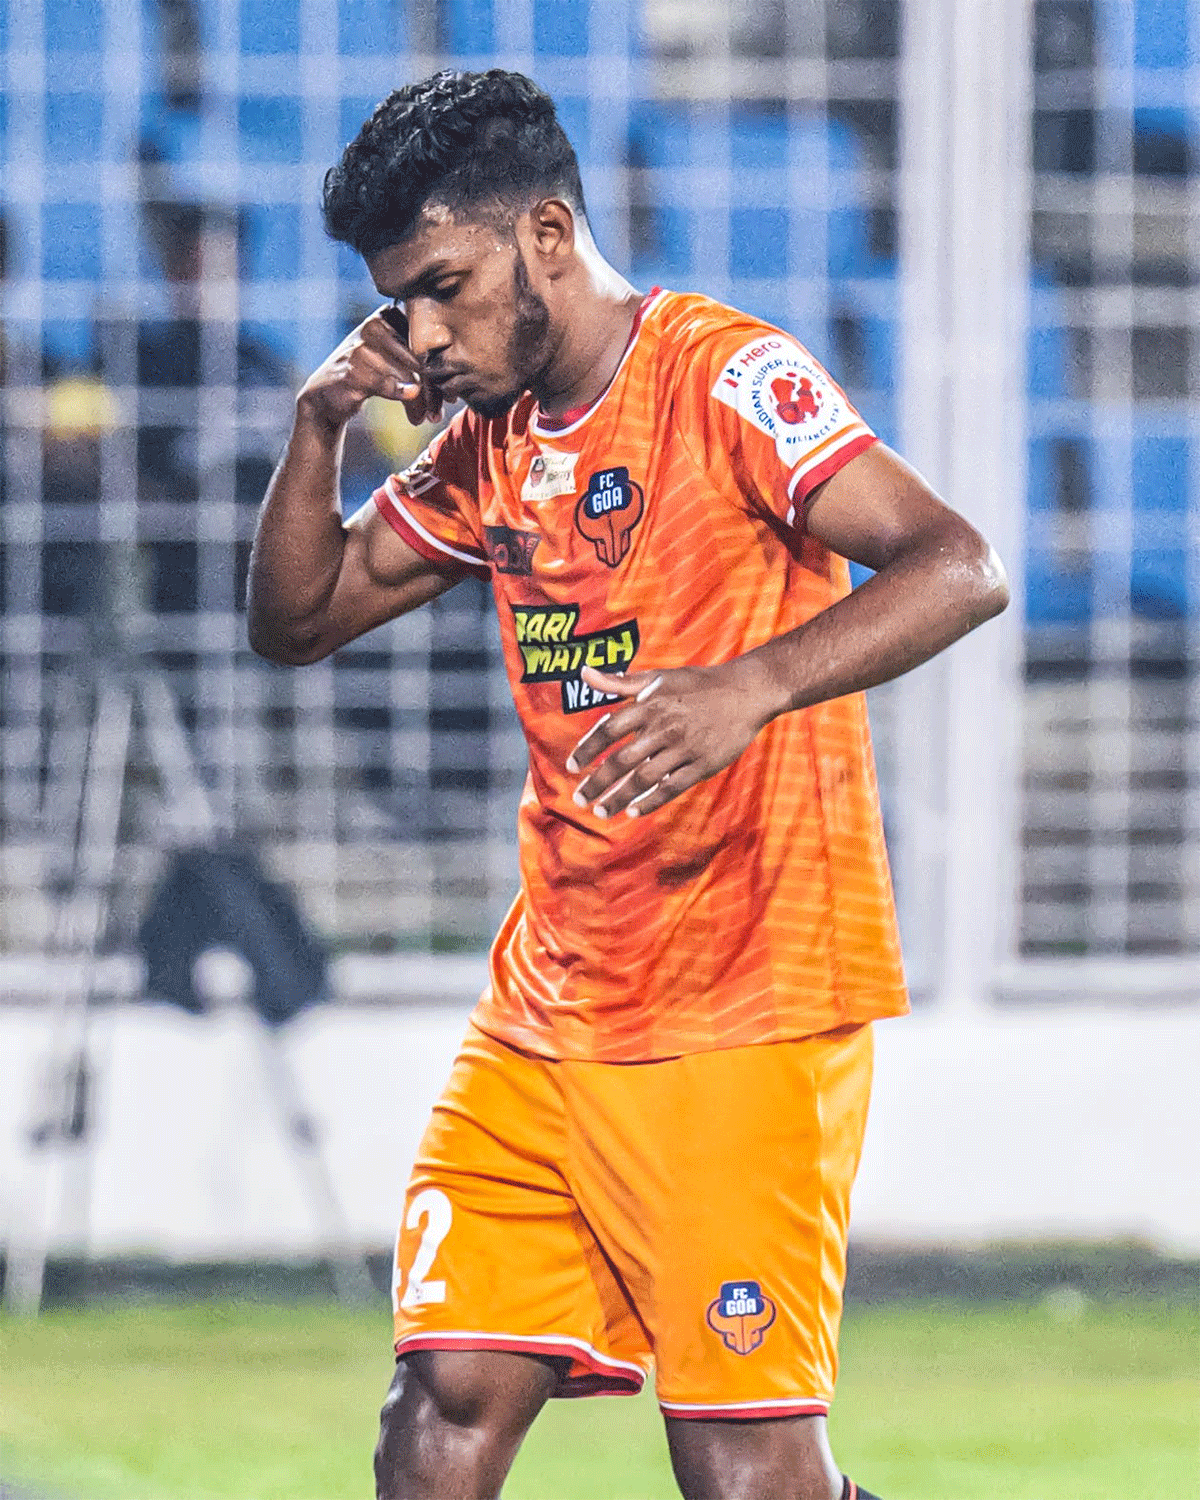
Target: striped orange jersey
663	527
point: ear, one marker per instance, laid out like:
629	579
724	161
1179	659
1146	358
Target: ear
550	234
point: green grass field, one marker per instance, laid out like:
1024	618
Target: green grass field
937	1401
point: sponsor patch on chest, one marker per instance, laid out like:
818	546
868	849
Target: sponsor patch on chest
550	474
554	650
510	550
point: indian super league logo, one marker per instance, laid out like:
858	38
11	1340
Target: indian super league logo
741	1315
795	398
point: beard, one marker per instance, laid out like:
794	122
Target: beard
528	351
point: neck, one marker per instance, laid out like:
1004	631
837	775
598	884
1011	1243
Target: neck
602	306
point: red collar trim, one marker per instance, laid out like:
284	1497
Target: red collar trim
577	413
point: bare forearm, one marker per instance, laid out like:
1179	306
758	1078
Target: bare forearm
916	606
935	579
300	541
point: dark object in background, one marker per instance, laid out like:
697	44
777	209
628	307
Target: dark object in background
221	898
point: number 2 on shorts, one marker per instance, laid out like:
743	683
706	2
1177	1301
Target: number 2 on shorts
433	1206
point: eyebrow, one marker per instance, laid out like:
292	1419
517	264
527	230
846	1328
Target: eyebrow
429	275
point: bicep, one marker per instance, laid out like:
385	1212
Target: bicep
877	507
380	579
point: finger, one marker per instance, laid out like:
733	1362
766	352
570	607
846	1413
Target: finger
605	732
387	331
630	686
425	406
636	687
618	764
664	790
393	376
647	786
396	378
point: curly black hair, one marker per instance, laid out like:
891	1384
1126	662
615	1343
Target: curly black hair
460	140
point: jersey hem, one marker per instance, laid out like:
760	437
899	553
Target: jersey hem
539	1043
744	1411
591	1373
423	542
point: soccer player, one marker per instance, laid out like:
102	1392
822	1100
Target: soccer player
646	1147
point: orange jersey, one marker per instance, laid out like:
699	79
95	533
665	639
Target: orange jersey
663	527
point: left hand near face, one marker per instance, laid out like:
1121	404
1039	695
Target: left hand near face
673	729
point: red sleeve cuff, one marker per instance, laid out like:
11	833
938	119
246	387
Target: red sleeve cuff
827	469
457	560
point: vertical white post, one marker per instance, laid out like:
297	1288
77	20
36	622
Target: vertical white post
964	184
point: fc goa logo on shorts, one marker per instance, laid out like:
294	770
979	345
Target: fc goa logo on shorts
741	1315
609	511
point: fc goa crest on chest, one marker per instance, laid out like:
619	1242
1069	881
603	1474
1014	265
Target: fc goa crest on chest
741	1315
608	512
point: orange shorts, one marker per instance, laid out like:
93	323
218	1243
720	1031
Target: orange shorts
689	1214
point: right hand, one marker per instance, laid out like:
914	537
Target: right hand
373	360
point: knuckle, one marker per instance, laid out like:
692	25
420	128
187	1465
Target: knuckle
644	778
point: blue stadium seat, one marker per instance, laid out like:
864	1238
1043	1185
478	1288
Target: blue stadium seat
268	27
368	29
270	128
1159	583
73	25
270	242
74	127
468	27
560	28
1160	33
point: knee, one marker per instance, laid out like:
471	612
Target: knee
754	1481
447	1429
788	1459
429	1435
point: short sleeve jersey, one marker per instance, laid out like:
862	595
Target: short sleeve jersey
663	527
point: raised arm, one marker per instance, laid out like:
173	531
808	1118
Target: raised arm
314	582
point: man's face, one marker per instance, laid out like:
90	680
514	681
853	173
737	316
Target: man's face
479	329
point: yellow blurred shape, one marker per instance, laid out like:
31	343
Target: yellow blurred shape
393	434
80	406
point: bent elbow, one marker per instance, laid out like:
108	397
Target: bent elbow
993	584
281	648
973	584
992	594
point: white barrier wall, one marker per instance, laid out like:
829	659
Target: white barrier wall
1081	1125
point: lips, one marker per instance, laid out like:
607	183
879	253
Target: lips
452	385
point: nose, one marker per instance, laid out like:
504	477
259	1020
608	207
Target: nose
427	334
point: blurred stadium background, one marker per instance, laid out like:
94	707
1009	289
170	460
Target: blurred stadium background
984	215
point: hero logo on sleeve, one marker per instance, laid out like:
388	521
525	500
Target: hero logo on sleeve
782	391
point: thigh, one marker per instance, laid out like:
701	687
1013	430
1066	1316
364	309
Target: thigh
493	1252
719	1184
453	1421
